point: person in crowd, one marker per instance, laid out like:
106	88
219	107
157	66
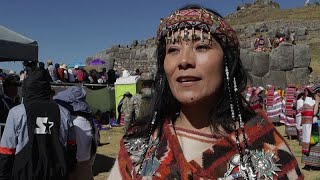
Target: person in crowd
200	126
38	140
73	99
259	43
111	76
93	76
141	102
60	73
22	76
137	72
65	72
41	66
104	75
273	105
79	74
50	69
8	97
71	77
3	75
56	74
126	110
299	95
287	115
310	128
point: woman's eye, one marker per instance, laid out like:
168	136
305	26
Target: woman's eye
203	47
172	50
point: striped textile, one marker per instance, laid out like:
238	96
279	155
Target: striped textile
249	93
290	91
270	96
307	119
275	109
313	158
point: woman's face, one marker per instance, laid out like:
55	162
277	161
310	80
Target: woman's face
195	69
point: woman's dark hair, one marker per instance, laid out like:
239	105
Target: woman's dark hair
167	106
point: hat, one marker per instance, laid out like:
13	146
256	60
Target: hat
63	66
11	72
127	93
74	96
76	66
147	77
49	61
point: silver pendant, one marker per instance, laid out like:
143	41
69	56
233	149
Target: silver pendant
136	147
264	167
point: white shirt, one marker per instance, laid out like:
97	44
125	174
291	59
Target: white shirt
83	131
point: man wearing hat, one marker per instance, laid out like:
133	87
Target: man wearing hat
141	102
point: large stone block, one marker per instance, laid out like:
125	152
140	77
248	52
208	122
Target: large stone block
254	80
250	30
276	78
260	63
301	38
302	56
298	76
246	59
281	58
301	31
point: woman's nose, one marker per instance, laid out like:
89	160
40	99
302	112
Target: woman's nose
187	59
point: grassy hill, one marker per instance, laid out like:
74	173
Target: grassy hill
258	13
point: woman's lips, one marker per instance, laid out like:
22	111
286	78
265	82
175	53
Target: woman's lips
188	80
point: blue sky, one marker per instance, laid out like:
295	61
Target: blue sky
71	30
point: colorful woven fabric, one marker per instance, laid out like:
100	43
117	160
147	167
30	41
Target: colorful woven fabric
274	110
249	93
290	92
307	119
270	96
210	154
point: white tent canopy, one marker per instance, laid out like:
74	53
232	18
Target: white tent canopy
16	47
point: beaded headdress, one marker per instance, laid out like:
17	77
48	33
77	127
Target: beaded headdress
197	19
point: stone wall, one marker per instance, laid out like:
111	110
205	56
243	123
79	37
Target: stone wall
284	65
139	55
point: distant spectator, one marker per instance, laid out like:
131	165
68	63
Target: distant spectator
13	76
104	75
71	77
79	74
9	98
138	72
3	75
111	76
60	74
259	43
41	65
22	76
56	75
50	69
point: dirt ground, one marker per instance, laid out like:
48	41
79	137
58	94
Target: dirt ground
108	151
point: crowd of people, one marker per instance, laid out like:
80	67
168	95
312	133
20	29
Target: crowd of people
297	108
48	135
263	44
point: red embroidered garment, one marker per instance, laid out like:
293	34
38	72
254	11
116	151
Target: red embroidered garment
212	162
